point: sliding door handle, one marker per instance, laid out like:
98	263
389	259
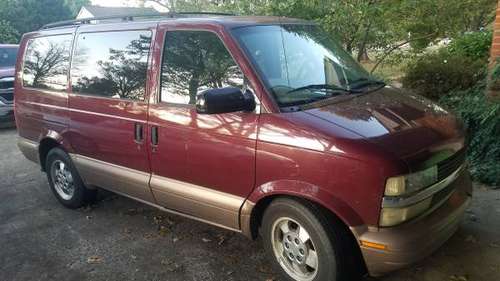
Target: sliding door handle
154	135
139	132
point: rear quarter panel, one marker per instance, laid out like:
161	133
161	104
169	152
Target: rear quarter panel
39	113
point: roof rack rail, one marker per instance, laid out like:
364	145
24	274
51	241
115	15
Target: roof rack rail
130	18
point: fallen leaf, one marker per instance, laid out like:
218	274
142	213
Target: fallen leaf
163	231
158	219
171	265
94	259
458	278
149	235
221	240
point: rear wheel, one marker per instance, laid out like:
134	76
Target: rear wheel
65	181
302	243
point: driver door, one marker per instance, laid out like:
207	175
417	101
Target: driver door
203	165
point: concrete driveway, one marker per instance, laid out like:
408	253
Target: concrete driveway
119	239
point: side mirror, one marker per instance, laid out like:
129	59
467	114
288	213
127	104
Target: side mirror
224	100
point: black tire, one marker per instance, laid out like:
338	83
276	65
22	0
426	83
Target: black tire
327	236
80	195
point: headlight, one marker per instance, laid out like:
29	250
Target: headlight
407	184
394	216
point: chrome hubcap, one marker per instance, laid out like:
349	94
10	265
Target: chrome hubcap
62	179
294	249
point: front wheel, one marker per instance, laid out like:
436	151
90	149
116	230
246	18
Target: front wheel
302	243
65	181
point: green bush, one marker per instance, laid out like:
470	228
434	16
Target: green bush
494	83
474	45
482	119
435	74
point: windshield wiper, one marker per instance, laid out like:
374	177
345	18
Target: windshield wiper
330	88
364	82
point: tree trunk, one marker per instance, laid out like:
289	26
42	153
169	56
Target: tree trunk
362	51
193	88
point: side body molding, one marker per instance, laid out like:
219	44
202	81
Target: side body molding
113	177
182	198
216	207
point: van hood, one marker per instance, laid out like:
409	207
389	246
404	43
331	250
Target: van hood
414	129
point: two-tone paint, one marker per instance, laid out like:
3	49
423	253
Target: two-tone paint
225	168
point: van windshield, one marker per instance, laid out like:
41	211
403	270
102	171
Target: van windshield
301	63
8	56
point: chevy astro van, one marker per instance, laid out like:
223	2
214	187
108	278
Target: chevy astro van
261	125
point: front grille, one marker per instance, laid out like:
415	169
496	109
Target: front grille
6	85
7	97
451	164
441	195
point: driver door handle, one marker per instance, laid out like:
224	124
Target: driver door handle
139	132
154	135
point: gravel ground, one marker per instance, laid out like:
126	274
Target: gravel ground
119	239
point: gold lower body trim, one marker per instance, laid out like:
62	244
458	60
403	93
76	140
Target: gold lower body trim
29	149
113	177
211	205
189	200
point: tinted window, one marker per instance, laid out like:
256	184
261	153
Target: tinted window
291	57
8	57
111	64
46	62
194	61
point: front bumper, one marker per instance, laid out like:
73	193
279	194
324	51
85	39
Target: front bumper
415	240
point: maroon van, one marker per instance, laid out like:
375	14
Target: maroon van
260	125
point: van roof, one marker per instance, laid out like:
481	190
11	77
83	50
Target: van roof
196	17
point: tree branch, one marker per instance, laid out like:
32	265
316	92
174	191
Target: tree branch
397	46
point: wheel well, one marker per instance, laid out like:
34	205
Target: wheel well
261	206
45	146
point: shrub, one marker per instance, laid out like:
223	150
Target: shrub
435	74
494	82
482	119
474	45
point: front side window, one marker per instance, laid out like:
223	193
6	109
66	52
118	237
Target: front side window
111	64
194	61
301	63
46	62
8	56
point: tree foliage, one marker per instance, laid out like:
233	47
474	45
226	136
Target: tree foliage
367	24
7	33
28	15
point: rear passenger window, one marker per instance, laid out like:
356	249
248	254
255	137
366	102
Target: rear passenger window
111	64
194	61
46	62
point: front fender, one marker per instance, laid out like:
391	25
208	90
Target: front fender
297	189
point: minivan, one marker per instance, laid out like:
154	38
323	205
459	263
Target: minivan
260	125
